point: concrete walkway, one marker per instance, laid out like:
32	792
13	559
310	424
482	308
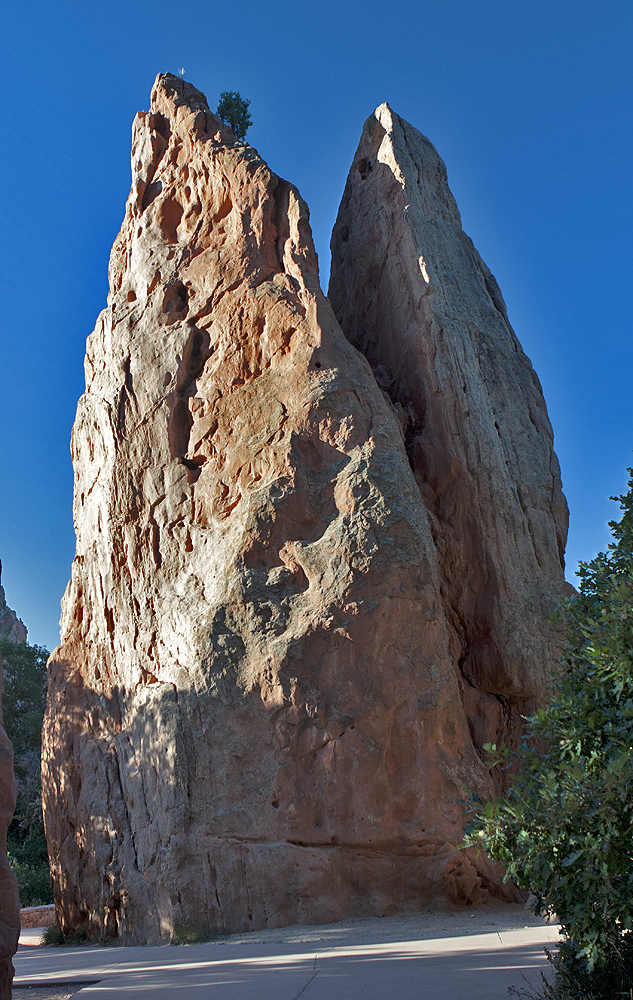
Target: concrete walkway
442	957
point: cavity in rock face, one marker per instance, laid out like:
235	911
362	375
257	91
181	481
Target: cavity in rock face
9	899
253	718
412	293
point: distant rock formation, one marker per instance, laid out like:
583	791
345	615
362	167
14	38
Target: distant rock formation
9	899
10	625
411	292
255	715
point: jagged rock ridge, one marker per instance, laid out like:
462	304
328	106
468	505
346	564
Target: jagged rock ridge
253	717
411	292
10	625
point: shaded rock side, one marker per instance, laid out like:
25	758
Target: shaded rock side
9	899
10	625
253	718
411	292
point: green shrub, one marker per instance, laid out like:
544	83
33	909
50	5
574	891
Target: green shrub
192	932
572	979
23	706
53	935
233	111
34	879
565	830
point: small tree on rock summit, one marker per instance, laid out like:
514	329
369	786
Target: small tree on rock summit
233	111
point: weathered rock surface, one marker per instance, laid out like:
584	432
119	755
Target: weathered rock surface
411	292
253	718
10	625
9	899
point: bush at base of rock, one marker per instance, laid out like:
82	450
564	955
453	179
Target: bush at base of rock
53	935
193	933
572	979
566	828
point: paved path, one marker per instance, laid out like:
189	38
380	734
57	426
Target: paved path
391	959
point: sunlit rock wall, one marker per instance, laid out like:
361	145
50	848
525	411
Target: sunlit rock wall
254	717
411	292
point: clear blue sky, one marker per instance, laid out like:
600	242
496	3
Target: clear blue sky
529	104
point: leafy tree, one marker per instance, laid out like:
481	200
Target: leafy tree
233	111
565	830
23	706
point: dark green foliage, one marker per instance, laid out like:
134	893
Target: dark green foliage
233	111
566	828
572	980
54	935
23	711
24	697
33	874
191	932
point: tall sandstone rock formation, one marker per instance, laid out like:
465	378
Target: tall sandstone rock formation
254	717
411	292
9	899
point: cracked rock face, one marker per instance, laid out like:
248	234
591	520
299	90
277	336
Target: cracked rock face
411	292
254	717
9	899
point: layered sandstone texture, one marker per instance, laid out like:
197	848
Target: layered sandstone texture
253	717
10	625
9	899
411	292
